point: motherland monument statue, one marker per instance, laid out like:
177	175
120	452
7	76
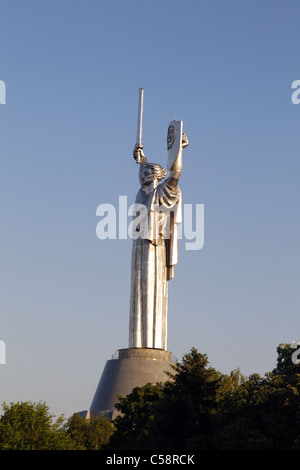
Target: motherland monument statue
155	250
157	214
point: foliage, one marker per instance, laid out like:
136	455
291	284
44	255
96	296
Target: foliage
230	382
197	408
137	414
187	405
167	416
89	434
200	408
262	412
285	366
29	426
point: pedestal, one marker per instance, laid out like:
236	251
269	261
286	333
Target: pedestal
134	367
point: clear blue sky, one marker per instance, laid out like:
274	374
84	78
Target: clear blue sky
72	71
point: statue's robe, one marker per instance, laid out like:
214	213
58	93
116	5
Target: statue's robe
154	255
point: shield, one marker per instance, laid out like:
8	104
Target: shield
174	142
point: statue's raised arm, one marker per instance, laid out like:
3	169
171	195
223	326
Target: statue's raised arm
175	165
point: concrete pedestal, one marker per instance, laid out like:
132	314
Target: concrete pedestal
134	367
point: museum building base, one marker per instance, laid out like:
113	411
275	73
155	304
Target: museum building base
128	368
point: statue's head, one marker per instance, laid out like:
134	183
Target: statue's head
150	172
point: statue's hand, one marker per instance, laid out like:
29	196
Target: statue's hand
185	140
138	154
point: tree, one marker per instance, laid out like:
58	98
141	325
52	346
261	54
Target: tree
90	434
172	415
199	408
285	366
137	414
183	417
262	412
230	382
30	426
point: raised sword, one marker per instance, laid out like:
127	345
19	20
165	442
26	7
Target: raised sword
139	133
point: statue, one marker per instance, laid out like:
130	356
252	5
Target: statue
157	215
154	249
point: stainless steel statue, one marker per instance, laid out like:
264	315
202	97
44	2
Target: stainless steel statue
155	250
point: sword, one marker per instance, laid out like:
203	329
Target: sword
139	132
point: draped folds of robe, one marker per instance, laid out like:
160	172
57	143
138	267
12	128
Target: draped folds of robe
154	255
